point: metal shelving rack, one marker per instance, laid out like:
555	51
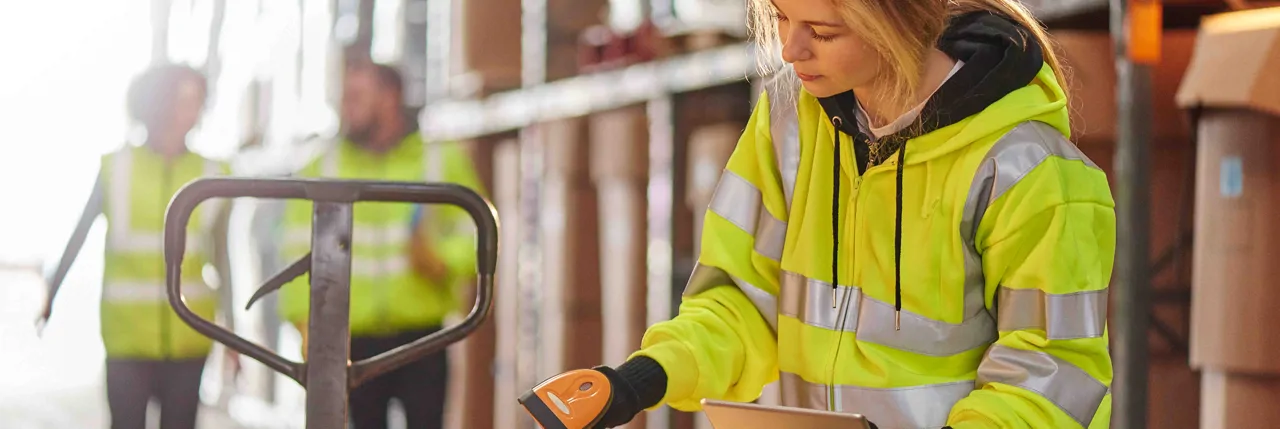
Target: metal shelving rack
657	85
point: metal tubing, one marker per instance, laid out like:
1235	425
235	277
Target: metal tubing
328	374
1133	282
328	326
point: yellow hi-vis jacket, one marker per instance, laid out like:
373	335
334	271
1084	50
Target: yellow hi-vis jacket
137	321
1007	238
387	295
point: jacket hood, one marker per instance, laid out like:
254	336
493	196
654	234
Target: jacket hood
1001	57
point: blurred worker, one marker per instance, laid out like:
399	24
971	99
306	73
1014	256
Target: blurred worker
151	353
905	233
407	262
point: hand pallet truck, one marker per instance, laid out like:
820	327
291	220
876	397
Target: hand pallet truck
327	374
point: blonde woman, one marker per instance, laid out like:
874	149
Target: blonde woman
904	231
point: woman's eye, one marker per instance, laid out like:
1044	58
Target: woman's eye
823	38
779	17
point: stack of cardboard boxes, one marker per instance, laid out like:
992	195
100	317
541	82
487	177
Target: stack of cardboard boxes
1234	344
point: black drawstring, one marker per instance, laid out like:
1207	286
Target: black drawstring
835	216
897	245
897	228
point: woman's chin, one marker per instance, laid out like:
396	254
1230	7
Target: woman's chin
820	89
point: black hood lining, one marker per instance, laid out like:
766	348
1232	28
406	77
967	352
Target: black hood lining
1000	57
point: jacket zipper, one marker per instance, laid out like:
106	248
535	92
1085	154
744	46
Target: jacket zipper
164	314
844	304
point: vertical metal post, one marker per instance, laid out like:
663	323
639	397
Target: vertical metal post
661	196
1132	280
328	328
533	72
160	30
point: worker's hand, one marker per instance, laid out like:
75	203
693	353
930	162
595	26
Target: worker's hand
302	329
232	363
625	404
426	262
42	319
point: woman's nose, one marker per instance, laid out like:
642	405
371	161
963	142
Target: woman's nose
794	48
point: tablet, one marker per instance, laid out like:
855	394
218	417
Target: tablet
738	415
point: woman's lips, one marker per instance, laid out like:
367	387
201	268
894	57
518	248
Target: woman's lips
807	77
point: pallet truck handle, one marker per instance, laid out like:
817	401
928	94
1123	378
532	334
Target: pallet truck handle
192	194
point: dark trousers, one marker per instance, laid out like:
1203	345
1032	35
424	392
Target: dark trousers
174	384
420	386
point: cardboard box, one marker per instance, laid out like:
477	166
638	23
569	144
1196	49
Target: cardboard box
1232	79
1236	192
619	169
620	144
570	319
488	45
1235	63
709	150
1237	401
566	20
506	197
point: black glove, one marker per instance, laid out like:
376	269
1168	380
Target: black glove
625	404
637	385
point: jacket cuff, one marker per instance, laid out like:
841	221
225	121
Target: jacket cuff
680	366
647	378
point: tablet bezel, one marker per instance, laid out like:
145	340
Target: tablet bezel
840	420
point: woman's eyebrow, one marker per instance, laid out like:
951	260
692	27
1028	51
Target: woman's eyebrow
809	23
821	24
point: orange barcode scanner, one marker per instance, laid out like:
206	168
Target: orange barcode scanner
573	400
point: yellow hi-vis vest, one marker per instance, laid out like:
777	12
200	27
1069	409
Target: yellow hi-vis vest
1008	237
387	295
137	321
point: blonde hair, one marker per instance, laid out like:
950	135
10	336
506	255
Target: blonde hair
902	32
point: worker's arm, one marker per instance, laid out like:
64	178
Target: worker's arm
222	260
722	344
444	241
92	209
1047	248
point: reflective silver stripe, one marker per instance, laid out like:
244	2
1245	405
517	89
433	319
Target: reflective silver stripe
386	266
1062	317
1062	383
297	236
118	199
121	236
117	291
736	200
784	127
706	277
372	234
329	164
770	236
809	301
1026	147
432	171
1010	159
393	234
924	406
211	209
432	162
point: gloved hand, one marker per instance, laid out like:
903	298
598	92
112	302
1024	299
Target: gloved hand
625	404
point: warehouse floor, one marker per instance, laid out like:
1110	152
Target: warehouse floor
56	381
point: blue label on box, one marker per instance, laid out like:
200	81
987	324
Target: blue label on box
1231	181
